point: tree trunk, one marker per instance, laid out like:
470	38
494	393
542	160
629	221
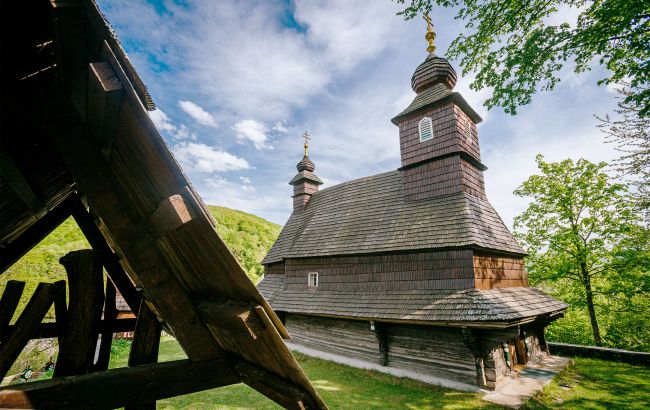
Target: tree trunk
590	305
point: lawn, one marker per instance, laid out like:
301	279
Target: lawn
589	384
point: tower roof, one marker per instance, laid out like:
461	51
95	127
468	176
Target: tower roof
434	70
305	164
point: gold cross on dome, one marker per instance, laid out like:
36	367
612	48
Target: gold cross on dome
307	137
430	36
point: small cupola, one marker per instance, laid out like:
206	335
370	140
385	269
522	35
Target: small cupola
305	183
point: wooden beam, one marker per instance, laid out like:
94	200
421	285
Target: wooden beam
171	214
27	323
8	304
110	314
239	318
144	349
34	234
120	387
79	339
280	391
105	94
14	178
49	330
110	260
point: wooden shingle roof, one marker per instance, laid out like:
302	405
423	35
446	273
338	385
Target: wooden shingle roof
370	215
493	307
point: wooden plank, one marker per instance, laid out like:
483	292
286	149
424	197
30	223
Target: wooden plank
280	391
8	304
15	179
171	214
79	339
30	318
34	234
120	387
49	330
110	260
105	94
239	318
144	350
110	314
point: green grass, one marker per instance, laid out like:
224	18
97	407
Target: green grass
588	384
341	387
596	384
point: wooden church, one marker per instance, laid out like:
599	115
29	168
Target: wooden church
413	268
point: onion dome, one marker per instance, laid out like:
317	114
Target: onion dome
434	70
305	164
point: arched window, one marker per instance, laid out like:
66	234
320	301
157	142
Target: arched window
426	129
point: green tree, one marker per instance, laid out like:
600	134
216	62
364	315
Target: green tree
575	231
514	48
630	132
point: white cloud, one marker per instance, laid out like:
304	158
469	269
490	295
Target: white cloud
253	131
280	126
198	113
161	121
202	158
245	180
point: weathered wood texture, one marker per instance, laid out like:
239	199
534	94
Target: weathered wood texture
119	387
27	323
79	340
492	271
436	351
448	135
33	233
48	330
425	270
106	339
347	338
8	304
145	346
443	176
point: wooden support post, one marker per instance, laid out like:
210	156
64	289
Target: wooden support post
8	304
27	323
144	349
79	339
110	314
520	348
120	387
98	243
381	333
472	339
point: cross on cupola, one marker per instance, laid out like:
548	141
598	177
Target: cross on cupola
305	183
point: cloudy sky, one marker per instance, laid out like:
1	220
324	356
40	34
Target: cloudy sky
236	83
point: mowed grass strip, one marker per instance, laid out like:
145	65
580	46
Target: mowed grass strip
341	387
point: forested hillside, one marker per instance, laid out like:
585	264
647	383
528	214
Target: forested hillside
249	237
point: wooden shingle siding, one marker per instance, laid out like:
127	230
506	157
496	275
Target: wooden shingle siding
427	270
436	351
460	306
444	176
370	215
499	271
349	338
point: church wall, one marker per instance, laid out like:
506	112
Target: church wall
274	268
432	350
425	270
443	176
499	271
349	338
449	135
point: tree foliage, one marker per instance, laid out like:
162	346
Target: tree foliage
583	241
515	48
630	132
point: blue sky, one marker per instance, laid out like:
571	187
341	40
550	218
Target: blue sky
236	83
